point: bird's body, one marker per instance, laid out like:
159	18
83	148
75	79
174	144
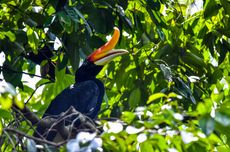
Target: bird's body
87	93
77	95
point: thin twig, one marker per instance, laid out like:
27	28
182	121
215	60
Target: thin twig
36	90
11	141
34	138
22	72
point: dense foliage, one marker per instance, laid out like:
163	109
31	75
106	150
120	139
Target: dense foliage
171	93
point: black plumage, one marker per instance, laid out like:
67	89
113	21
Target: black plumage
85	96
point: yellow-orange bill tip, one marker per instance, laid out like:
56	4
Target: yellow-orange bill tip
102	51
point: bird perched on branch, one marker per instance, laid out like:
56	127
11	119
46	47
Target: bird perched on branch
87	93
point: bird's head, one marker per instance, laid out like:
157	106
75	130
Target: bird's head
100	57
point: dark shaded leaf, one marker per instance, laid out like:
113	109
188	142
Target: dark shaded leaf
224	48
65	21
207	125
198	146
226	5
85	22
211	8
184	90
135	97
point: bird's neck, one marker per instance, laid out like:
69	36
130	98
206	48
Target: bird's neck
87	71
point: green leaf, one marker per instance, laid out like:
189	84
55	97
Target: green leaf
198	146
63	61
154	5
223	148
184	90
224	130
173	95
41	82
155	97
2	35
1	128
73	50
225	47
223	119
11	36
135	97
226	5
33	39
128	116
207	125
5	114
6	103
211	8
83	18
65	21
8	72
146	147
156	17
25	4
74	17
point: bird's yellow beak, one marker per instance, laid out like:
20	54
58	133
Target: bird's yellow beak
106	53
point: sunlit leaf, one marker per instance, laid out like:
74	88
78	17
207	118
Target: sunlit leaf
174	95
146	146
128	116
33	39
1	128
11	36
19	103
6	103
155	97
5	114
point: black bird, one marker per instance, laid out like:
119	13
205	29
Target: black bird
87	93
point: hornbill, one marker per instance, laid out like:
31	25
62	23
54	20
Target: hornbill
87	93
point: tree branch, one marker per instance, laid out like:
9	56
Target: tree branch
51	123
13	130
2	68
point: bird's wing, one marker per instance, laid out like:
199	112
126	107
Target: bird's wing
85	97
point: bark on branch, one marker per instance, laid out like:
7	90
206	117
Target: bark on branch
58	123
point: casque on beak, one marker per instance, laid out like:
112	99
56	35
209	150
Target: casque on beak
106	53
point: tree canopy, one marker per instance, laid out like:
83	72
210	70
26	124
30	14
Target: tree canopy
170	93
